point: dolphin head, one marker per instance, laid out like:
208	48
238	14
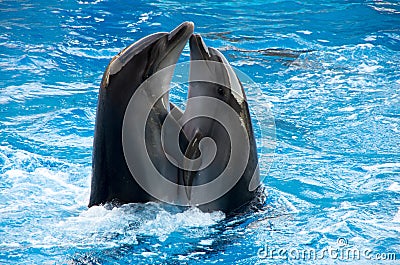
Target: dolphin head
148	55
212	76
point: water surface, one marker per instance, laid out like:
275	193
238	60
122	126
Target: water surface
330	72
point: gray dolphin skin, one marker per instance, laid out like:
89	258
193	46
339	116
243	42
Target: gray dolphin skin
229	90
214	89
111	179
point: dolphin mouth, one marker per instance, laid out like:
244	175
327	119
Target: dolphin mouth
176	41
183	31
178	38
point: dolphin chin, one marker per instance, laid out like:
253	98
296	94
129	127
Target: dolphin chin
111	178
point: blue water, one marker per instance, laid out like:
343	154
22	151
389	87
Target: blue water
334	184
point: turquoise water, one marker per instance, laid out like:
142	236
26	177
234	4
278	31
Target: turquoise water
333	86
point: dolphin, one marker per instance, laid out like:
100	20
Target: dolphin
112	180
214	82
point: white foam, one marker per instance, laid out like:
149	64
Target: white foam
292	94
363	68
305	32
370	38
345	205
90	52
31	90
394	187
380	167
365	46
89	3
352	117
98	225
165	223
347	109
243	62
206	242
10	245
396	218
97	19
147	254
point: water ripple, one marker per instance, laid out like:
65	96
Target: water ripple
330	76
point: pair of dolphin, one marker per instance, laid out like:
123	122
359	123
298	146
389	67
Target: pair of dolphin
113	179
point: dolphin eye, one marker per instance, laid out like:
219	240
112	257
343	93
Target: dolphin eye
221	91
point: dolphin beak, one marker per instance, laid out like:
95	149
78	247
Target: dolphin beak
198	49
181	32
176	41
